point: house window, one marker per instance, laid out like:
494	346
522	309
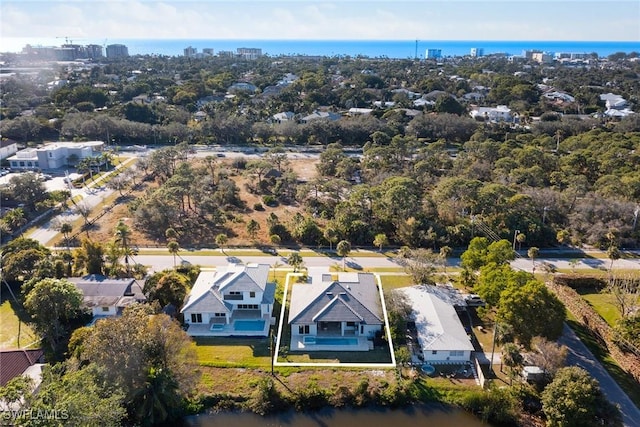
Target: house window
252	294
303	329
196	317
434	351
105	309
361	329
456	353
220	314
247	306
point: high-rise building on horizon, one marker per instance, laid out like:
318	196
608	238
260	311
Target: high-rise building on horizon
117	51
190	52
249	52
477	52
433	53
207	51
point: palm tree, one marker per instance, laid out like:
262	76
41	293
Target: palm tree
158	399
613	253
173	247
331	235
445	252
122	235
66	228
512	358
533	254
520	238
380	240
221	240
295	260
343	248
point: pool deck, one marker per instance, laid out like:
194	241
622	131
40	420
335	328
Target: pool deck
228	330
298	344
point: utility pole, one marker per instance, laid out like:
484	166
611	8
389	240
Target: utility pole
515	236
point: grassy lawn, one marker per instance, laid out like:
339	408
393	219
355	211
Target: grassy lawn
233	352
395	281
9	330
624	380
378	355
604	305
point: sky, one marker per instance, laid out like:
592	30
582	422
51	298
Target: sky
48	22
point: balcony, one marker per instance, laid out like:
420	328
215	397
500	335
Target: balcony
233	298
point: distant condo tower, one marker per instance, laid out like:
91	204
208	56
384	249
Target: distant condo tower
249	52
190	51
433	53
477	52
207	51
117	51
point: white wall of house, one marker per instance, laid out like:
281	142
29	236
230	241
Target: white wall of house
446	356
370	330
295	329
104	311
8	150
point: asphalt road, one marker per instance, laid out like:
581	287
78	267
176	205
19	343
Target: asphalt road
579	355
160	262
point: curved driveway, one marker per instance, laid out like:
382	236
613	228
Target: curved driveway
579	355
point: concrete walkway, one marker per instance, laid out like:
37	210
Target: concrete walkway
579	355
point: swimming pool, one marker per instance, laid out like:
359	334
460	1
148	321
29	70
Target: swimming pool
249	325
330	341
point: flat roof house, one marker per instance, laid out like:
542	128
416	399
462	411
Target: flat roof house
332	314
231	301
55	155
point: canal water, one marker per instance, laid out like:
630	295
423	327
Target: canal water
432	415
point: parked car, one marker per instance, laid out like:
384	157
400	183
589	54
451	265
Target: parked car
474	300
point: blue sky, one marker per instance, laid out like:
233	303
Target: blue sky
93	21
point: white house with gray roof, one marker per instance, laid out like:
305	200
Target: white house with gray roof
339	312
107	297
236	300
441	336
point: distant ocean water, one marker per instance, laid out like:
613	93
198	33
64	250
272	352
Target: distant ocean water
375	48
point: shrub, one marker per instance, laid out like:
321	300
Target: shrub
269	200
311	397
258	207
580	281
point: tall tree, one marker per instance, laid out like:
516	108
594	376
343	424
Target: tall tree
122	236
574	399
295	260
380	240
331	235
420	264
533	254
531	310
221	240
134	350
342	249
53	304
167	287
252	228
174	248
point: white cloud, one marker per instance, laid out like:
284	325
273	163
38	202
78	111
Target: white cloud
322	19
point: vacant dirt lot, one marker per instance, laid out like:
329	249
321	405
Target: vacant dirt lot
305	169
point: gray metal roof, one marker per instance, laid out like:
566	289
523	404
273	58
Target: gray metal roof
351	298
101	291
437	322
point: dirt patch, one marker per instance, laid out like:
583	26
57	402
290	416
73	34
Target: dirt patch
104	228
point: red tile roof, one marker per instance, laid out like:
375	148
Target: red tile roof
14	362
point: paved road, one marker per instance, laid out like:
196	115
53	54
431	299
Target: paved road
160	262
579	355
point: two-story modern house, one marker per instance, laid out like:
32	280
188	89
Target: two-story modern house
231	301
335	314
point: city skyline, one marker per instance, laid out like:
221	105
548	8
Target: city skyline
97	21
